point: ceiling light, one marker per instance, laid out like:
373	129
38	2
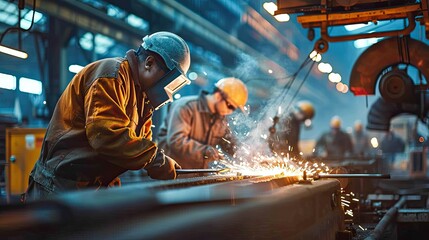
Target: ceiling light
282	17
74	68
13	52
270	7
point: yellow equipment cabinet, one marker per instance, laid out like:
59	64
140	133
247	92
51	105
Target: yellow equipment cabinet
23	146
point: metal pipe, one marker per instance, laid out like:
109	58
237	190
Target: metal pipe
188	171
352	175
406	31
386	220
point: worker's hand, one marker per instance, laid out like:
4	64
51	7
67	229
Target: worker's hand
211	154
162	167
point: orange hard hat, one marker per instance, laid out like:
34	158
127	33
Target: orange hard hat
335	122
306	108
234	90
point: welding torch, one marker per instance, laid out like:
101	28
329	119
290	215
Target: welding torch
191	171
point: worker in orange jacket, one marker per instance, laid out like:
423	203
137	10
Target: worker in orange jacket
101	125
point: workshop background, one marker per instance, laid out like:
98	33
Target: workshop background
272	52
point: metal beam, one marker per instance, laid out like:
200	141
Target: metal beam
79	14
203	28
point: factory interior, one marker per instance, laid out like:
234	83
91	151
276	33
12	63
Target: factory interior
362	66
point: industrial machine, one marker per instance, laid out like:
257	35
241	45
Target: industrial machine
23	147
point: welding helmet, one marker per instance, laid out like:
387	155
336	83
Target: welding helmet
233	90
306	109
175	53
336	122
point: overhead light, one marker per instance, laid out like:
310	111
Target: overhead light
324	67
270	7
29	85
13	52
334	77
192	75
7	81
352	27
315	56
74	68
282	17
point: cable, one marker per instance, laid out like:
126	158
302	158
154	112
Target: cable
19	28
302	83
285	89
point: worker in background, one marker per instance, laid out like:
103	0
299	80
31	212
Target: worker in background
361	141
391	145
335	144
195	125
101	125
283	140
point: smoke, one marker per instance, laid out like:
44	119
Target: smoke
246	68
251	130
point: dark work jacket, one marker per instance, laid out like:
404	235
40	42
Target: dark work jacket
285	139
101	127
336	145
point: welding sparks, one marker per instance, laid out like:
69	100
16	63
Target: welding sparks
258	164
226	140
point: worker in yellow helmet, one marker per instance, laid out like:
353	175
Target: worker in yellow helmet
284	138
195	125
335	144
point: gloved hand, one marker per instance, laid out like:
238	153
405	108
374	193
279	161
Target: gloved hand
211	154
115	183
162	167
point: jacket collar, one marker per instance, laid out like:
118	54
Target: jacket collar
134	66
203	105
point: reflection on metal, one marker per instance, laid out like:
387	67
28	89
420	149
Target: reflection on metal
232	208
384	54
413	215
387	220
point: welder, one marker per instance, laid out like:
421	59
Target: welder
197	124
101	125
284	135
334	144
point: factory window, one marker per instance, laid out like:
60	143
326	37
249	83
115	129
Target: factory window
26	21
137	22
102	43
8	12
29	85
7	81
9	15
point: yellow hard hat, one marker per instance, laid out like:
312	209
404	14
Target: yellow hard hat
234	90
306	108
335	122
358	126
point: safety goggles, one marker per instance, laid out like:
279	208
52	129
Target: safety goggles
228	104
